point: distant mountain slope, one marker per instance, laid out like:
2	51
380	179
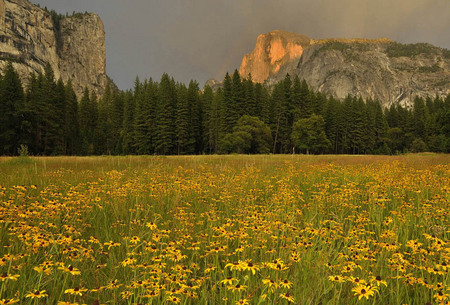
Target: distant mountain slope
74	46
378	69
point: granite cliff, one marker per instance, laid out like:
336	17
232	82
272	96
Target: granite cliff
378	69
273	51
73	46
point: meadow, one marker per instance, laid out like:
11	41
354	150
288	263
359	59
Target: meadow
225	230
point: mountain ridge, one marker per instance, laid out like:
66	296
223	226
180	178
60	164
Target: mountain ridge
377	69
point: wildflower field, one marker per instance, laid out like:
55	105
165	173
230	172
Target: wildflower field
225	230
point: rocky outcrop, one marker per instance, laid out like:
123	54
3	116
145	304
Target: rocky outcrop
83	56
213	84
272	51
74	48
379	69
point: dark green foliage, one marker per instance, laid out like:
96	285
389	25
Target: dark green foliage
103	140
251	106
11	107
128	116
170	118
70	122
88	115
250	136
228	107
144	123
165	135
418	145
56	19
309	135
46	110
333	127
237	97
336	45
182	122
196	118
410	50
213	119
283	107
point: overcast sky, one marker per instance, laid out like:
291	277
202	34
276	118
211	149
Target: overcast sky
202	39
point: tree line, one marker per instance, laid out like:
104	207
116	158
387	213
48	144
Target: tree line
171	118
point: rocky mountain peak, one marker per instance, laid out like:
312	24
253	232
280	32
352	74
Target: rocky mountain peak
272	51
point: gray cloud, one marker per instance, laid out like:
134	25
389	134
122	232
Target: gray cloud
202	39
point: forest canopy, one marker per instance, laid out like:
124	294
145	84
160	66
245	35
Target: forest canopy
170	118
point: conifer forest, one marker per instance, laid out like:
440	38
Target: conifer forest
166	117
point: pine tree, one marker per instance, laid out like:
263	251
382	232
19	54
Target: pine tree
211	117
144	123
165	117
59	105
227	105
183	122
214	121
420	118
71	127
368	138
346	125
237	98
333	126
11	105
49	112
279	117
264	103
288	122
250	104
196	118
306	104
87	122
297	111
28	119
117	119
357	129
104	142
381	128
128	129
32	129
46	104
320	101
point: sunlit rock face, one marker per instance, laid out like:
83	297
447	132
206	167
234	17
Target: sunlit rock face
377	69
272	51
76	51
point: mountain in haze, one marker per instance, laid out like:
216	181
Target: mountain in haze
379	69
74	46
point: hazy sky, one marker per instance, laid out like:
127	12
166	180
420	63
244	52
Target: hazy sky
202	39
